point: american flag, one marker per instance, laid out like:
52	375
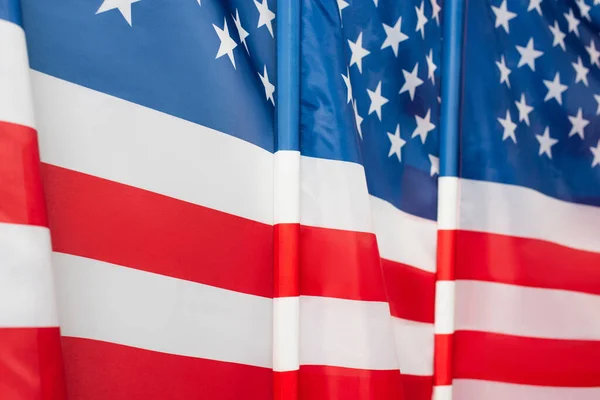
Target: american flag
527	233
195	255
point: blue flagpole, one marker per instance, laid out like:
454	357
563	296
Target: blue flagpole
288	74
448	199
451	86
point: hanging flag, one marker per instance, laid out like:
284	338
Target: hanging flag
175	223
156	137
526	244
30	354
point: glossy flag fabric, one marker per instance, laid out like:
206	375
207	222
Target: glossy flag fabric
198	250
526	237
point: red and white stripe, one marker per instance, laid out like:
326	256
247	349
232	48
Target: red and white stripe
445	287
221	269
30	355
527	294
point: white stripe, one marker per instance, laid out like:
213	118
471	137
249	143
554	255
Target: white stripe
445	393
334	195
15	90
286	187
470	389
518	211
404	238
346	333
286	333
526	311
445	292
414	346
103	301
104	136
448	207
26	284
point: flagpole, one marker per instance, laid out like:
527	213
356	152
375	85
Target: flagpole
448	197
286	204
288	74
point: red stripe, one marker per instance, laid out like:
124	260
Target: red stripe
21	196
333	383
526	262
286	264
443	358
108	221
446	253
100	371
530	361
346	264
411	291
417	387
285	385
31	364
342	264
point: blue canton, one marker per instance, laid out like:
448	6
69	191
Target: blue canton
531	96
370	93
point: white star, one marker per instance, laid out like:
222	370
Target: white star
535	5
421	19
396	143
412	81
435	11
242	33
377	100
546	143
528	55
524	109
596	152
265	16
504	71
503	16
393	36
376	2
358	53
584	9
593	53
431	67
124	7
559	36
227	43
581	71
597	97
596	2
357	118
509	127
341	5
555	89
424	126
269	87
578	124
435	165
346	79
573	22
